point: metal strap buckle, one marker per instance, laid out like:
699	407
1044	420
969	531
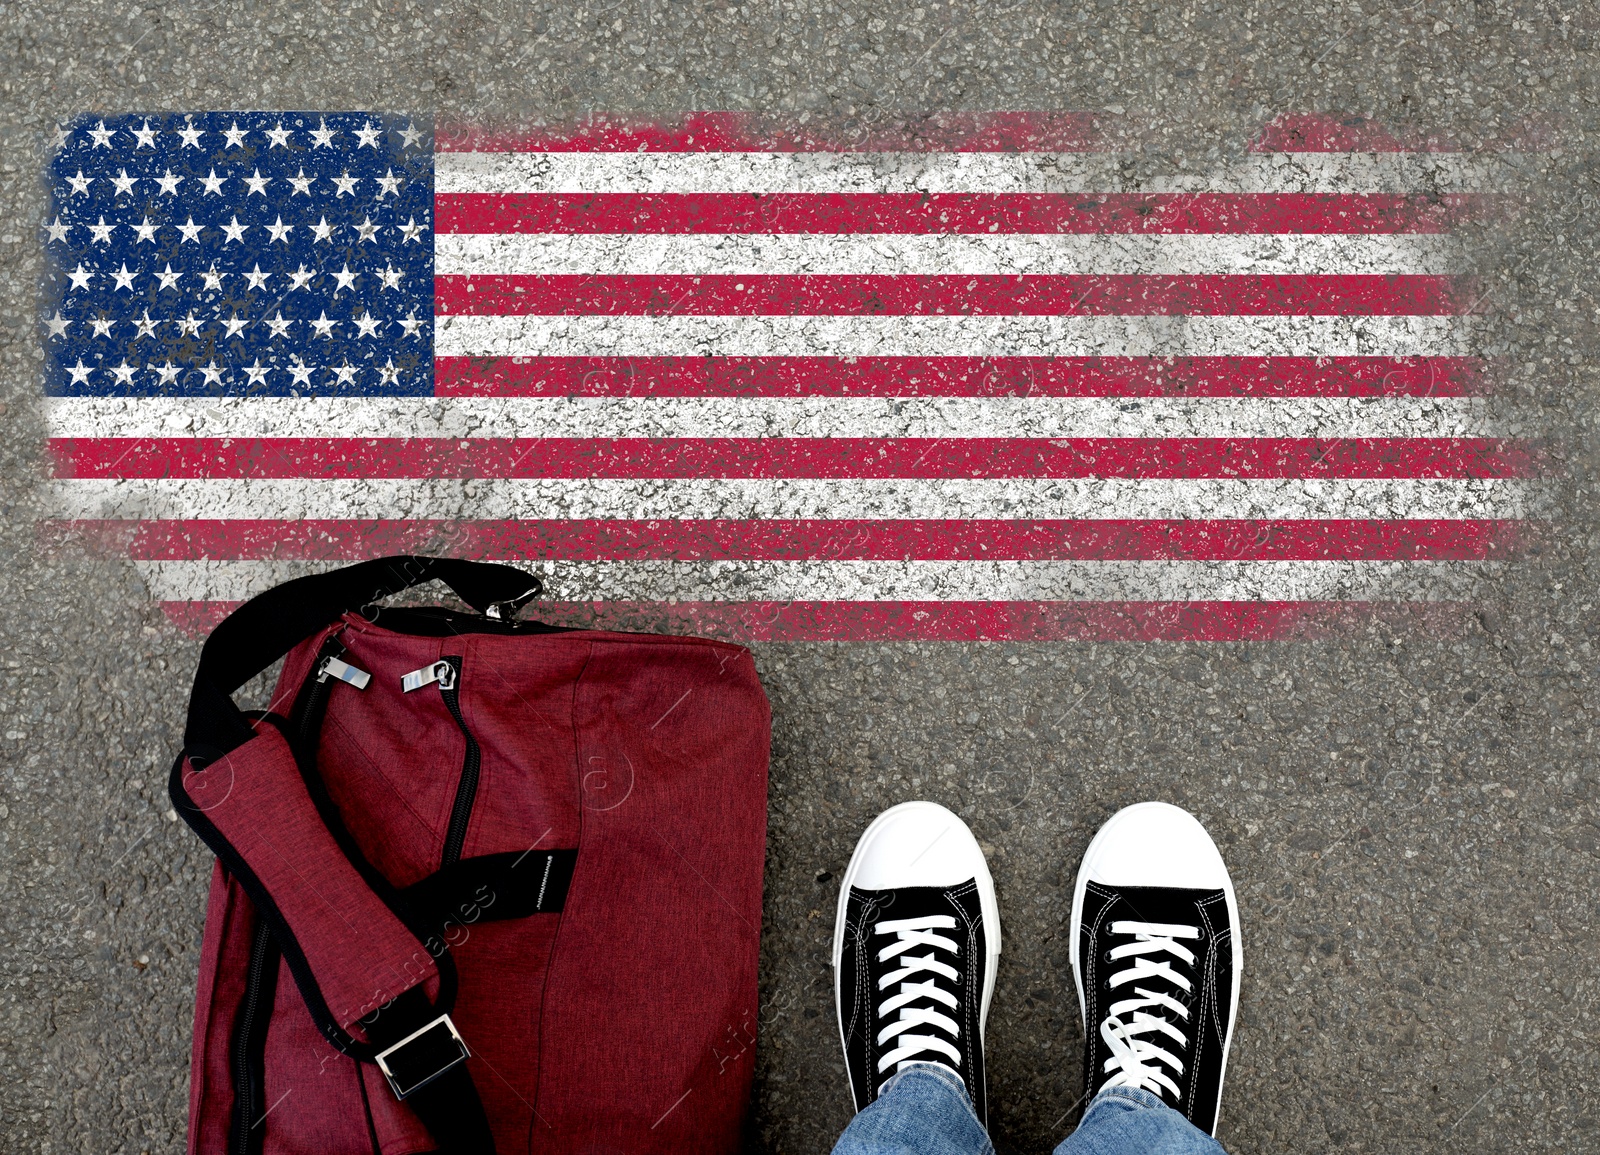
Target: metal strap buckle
422	1056
506	610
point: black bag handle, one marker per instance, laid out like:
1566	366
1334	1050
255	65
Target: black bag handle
271	624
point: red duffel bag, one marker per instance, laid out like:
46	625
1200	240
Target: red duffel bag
482	885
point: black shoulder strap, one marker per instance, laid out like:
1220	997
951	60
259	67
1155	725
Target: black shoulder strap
271	624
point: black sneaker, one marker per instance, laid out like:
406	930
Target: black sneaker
1155	928
914	950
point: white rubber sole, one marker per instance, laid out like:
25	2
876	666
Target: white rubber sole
1110	830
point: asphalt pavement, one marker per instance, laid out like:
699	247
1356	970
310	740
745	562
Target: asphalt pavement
1413	819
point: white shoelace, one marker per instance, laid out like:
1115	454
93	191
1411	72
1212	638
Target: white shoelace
917	932
1135	1059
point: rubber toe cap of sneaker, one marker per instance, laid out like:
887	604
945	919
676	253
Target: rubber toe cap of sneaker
916	844
1155	844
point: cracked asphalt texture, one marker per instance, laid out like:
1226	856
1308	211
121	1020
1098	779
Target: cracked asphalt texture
1413	821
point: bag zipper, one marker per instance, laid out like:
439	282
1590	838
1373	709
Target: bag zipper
447	672
308	721
244	1040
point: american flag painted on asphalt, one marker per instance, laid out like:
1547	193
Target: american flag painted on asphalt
982	377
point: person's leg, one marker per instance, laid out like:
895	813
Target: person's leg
1156	955
923	1110
1130	1121
915	946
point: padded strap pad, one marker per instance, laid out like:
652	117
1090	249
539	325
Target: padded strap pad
349	953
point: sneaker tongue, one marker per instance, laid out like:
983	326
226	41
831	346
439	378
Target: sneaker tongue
908	902
1160	904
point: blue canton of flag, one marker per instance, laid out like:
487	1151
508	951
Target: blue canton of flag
248	253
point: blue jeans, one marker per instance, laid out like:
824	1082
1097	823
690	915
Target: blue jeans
924	1110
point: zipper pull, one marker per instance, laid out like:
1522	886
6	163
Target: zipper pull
344	671
442	672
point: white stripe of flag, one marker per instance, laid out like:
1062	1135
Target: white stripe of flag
958	254
1026	499
875	581
713	417
949	336
965	172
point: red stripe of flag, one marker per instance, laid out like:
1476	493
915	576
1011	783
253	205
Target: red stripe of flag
1325	132
1092	295
943	213
1020	131
755	132
971	621
958	376
854	457
1009	621
801	540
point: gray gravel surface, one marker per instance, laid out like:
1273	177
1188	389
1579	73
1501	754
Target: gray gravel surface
1414	822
